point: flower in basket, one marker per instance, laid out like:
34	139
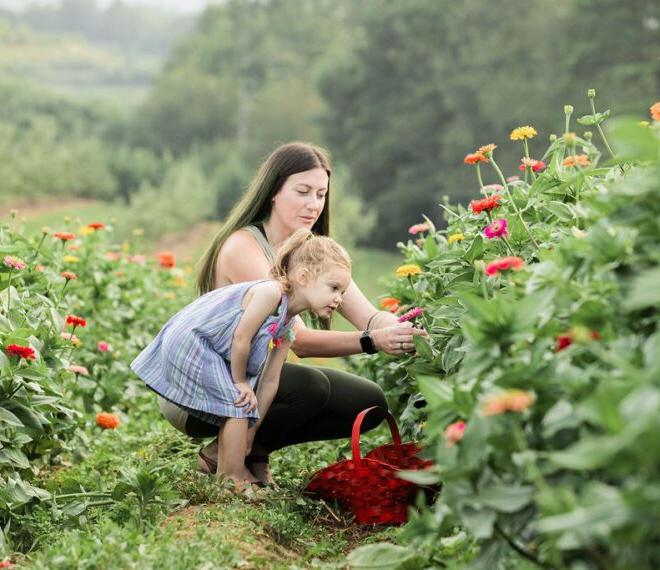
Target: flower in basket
106	420
496	229
26	352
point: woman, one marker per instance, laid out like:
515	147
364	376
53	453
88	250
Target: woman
290	191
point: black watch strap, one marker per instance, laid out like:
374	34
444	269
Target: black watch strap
367	343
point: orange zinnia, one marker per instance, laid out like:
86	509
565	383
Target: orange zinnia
655	111
107	421
390	304
509	401
64	236
487	149
475	158
166	259
579	160
487	204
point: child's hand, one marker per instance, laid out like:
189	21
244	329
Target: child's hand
247	396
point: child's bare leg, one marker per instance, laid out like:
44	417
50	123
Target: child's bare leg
231	450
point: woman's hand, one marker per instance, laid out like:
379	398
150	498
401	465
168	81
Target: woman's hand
246	397
397	338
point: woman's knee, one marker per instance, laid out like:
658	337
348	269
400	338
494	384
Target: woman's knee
304	385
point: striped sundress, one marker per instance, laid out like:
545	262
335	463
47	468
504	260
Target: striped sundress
188	362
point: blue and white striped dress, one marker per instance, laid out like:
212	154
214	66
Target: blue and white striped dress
188	362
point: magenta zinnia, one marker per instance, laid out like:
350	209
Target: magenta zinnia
411	314
496	229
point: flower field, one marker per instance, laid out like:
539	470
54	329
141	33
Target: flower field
538	391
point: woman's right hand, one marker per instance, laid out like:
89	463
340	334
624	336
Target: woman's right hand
396	339
246	397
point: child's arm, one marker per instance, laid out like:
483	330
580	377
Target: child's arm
265	298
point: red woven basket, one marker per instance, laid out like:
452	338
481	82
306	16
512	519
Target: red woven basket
369	486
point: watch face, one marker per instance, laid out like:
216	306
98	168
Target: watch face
367	343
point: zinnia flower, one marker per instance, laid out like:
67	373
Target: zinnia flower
70	259
40	268
112	256
139	259
75	321
64	236
69	276
578	160
475	158
522	133
655	111
407	270
487	150
496	229
166	259
509	401
487	204
96	225
504	264
581	335
411	314
85	231
454	433
535	165
491	188
107	421
103	346
453	238
78	370
390	304
14	262
26	352
417	228
6	563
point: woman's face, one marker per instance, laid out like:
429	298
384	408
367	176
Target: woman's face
301	199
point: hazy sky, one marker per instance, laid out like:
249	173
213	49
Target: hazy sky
177	5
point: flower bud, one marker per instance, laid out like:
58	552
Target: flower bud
67	219
568	110
45	230
588	135
643	123
553	138
570	139
591	93
480	266
13	213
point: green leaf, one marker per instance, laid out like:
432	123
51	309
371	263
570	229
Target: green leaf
423	347
560	210
8	417
479	521
420	477
385	556
505	498
475	250
434	390
644	291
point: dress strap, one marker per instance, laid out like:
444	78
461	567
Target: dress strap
263	243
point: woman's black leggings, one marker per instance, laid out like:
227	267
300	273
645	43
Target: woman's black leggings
312	403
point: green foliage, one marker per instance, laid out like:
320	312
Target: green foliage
553	368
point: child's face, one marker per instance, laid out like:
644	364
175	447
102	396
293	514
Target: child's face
325	292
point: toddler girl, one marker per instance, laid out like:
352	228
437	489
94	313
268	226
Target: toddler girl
211	356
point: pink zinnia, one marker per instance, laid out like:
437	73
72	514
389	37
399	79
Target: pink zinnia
505	264
454	433
496	229
535	165
417	228
78	370
14	262
70	336
509	401
491	188
103	346
411	314
139	259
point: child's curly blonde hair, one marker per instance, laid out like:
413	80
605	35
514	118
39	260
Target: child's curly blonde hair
314	253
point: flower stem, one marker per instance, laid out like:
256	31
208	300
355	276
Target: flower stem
602	134
8	292
528	168
506	241
508	193
481	182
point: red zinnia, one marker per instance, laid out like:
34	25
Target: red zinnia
75	321
21	351
535	165
64	236
96	225
475	158
166	259
69	276
581	335
504	264
487	204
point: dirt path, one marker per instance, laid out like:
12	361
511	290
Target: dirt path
188	245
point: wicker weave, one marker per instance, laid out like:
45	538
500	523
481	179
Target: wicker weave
369	486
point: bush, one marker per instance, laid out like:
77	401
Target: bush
538	392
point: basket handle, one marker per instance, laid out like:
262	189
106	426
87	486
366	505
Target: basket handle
357	424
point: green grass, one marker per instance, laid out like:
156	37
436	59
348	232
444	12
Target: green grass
179	518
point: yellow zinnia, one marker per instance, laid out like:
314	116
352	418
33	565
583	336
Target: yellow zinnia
85	231
453	238
70	259
522	133
408	270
